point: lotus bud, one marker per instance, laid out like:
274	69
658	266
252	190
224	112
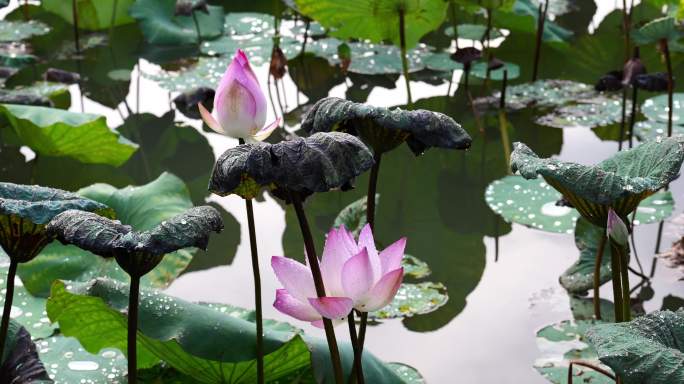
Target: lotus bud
616	228
239	104
633	67
278	66
345	55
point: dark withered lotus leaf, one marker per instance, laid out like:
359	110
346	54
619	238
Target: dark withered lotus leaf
22	364
611	81
318	163
424	129
466	55
187	101
136	252
652	82
187	7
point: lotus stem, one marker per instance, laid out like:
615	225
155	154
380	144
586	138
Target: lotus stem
26	10
505	141
257	288
670	84
113	20
197	28
624	281
357	370
9	295
133	299
588	365
632	118
504	85
597	275
454	25
626	26
623	119
404	59
541	20
485	37
74	14
318	283
616	263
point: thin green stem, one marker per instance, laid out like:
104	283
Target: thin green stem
318	283
632	117
197	28
357	370
670	85
541	19
9	295
617	285
133	299
74	14
257	290
404	59
113	19
624	281
623	119
597	275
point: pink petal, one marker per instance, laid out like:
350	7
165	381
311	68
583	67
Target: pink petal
390	257
266	131
209	119
366	240
332	307
318	324
289	305
383	292
357	276
335	254
295	277
348	241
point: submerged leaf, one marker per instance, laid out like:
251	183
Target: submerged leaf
385	128
318	163
649	349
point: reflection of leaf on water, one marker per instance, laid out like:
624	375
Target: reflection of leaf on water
313	76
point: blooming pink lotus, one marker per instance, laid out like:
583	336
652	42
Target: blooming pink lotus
355	275
239	104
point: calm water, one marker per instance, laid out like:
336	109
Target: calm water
502	279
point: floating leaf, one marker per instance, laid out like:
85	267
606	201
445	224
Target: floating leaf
55	132
413	299
563	342
142	207
441	61
16	55
648	349
21	30
652	130
664	28
522	18
206	72
376	20
480	70
408	374
160	26
415	267
534	203
353	216
541	93
93	15
20	362
47	93
318	163
385	128
473	32
579	278
620	182
587	113
655	108
27	310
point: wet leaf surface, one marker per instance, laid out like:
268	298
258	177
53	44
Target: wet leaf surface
413	299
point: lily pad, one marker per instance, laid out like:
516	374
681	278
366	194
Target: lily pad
318	163
20	361
652	130
353	216
143	207
55	132
655	108
413	299
534	203
385	128
664	28
621	181
415	267
160	26
587	113
376	20
21	30
93	15
207	72
54	94
645	350
27	310
408	374
480	70
16	55
565	341
579	278
473	32
441	61
541	94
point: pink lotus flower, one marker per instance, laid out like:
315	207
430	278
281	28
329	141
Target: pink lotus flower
239	104
616	228
355	275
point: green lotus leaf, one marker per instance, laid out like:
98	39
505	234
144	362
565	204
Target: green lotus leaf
206	72
21	30
318	163
55	132
406	373
480	70
175	331
16	55
563	342
385	128
376	20
473	32
664	28
652	130
142	207
541	94
648	349
93	15
534	203
43	93
441	61
25	210
20	361
160	26
620	182
27	310
353	216
522	17
579	278
413	299
415	267
655	108
587	113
